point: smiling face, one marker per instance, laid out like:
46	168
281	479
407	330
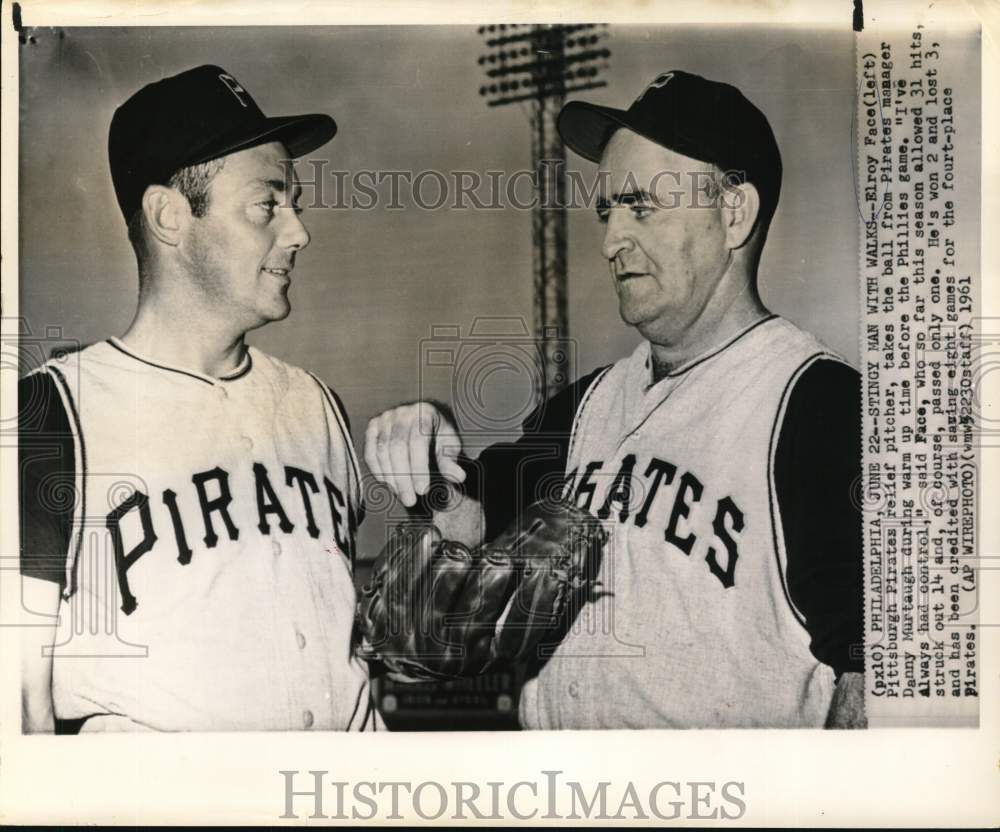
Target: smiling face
665	243
241	253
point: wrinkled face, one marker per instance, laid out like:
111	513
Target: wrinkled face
665	242
241	253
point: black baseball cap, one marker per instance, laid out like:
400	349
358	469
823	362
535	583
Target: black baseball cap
194	117
702	119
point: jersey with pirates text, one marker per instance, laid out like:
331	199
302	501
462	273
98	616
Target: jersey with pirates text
692	623
202	530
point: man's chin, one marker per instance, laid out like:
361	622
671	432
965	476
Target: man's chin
281	314
634	315
273	314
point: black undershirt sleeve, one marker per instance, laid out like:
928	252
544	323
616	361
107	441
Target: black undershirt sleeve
46	481
817	471
508	476
46	485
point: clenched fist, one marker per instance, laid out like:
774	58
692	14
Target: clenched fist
399	444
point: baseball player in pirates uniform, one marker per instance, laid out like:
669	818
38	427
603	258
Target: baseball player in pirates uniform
721	455
189	503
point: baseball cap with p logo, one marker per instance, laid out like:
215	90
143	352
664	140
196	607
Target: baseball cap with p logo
194	117
702	119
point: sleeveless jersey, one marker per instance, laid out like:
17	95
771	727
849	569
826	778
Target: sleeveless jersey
208	582
692	624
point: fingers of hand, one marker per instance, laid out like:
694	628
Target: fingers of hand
397	449
447	447
399	462
371	441
419	446
377	457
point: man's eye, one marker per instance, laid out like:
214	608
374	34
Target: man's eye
602	214
267	204
641	209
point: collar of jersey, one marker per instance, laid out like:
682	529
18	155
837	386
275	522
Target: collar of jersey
241	370
694	362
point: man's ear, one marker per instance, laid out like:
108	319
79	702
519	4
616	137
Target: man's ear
167	213
740	207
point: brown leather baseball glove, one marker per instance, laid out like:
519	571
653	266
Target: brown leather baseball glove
437	610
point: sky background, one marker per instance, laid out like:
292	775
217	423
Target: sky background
375	285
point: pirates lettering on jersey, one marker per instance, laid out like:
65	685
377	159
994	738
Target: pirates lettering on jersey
662	495
212	491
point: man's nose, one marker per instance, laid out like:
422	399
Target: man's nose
616	238
294	235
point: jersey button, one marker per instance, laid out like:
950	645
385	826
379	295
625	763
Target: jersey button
247	443
300	640
308	719
275	548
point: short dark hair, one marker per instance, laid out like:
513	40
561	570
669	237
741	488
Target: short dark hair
721	182
193	182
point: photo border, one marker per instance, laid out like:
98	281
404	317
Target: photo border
877	777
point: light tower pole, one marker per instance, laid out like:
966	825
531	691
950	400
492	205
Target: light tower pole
538	64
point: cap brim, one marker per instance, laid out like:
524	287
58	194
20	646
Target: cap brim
586	128
299	134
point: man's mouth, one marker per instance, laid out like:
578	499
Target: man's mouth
278	272
621	277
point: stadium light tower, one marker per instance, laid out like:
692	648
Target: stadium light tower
538	64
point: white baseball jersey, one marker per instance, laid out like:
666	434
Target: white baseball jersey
693	625
208	577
